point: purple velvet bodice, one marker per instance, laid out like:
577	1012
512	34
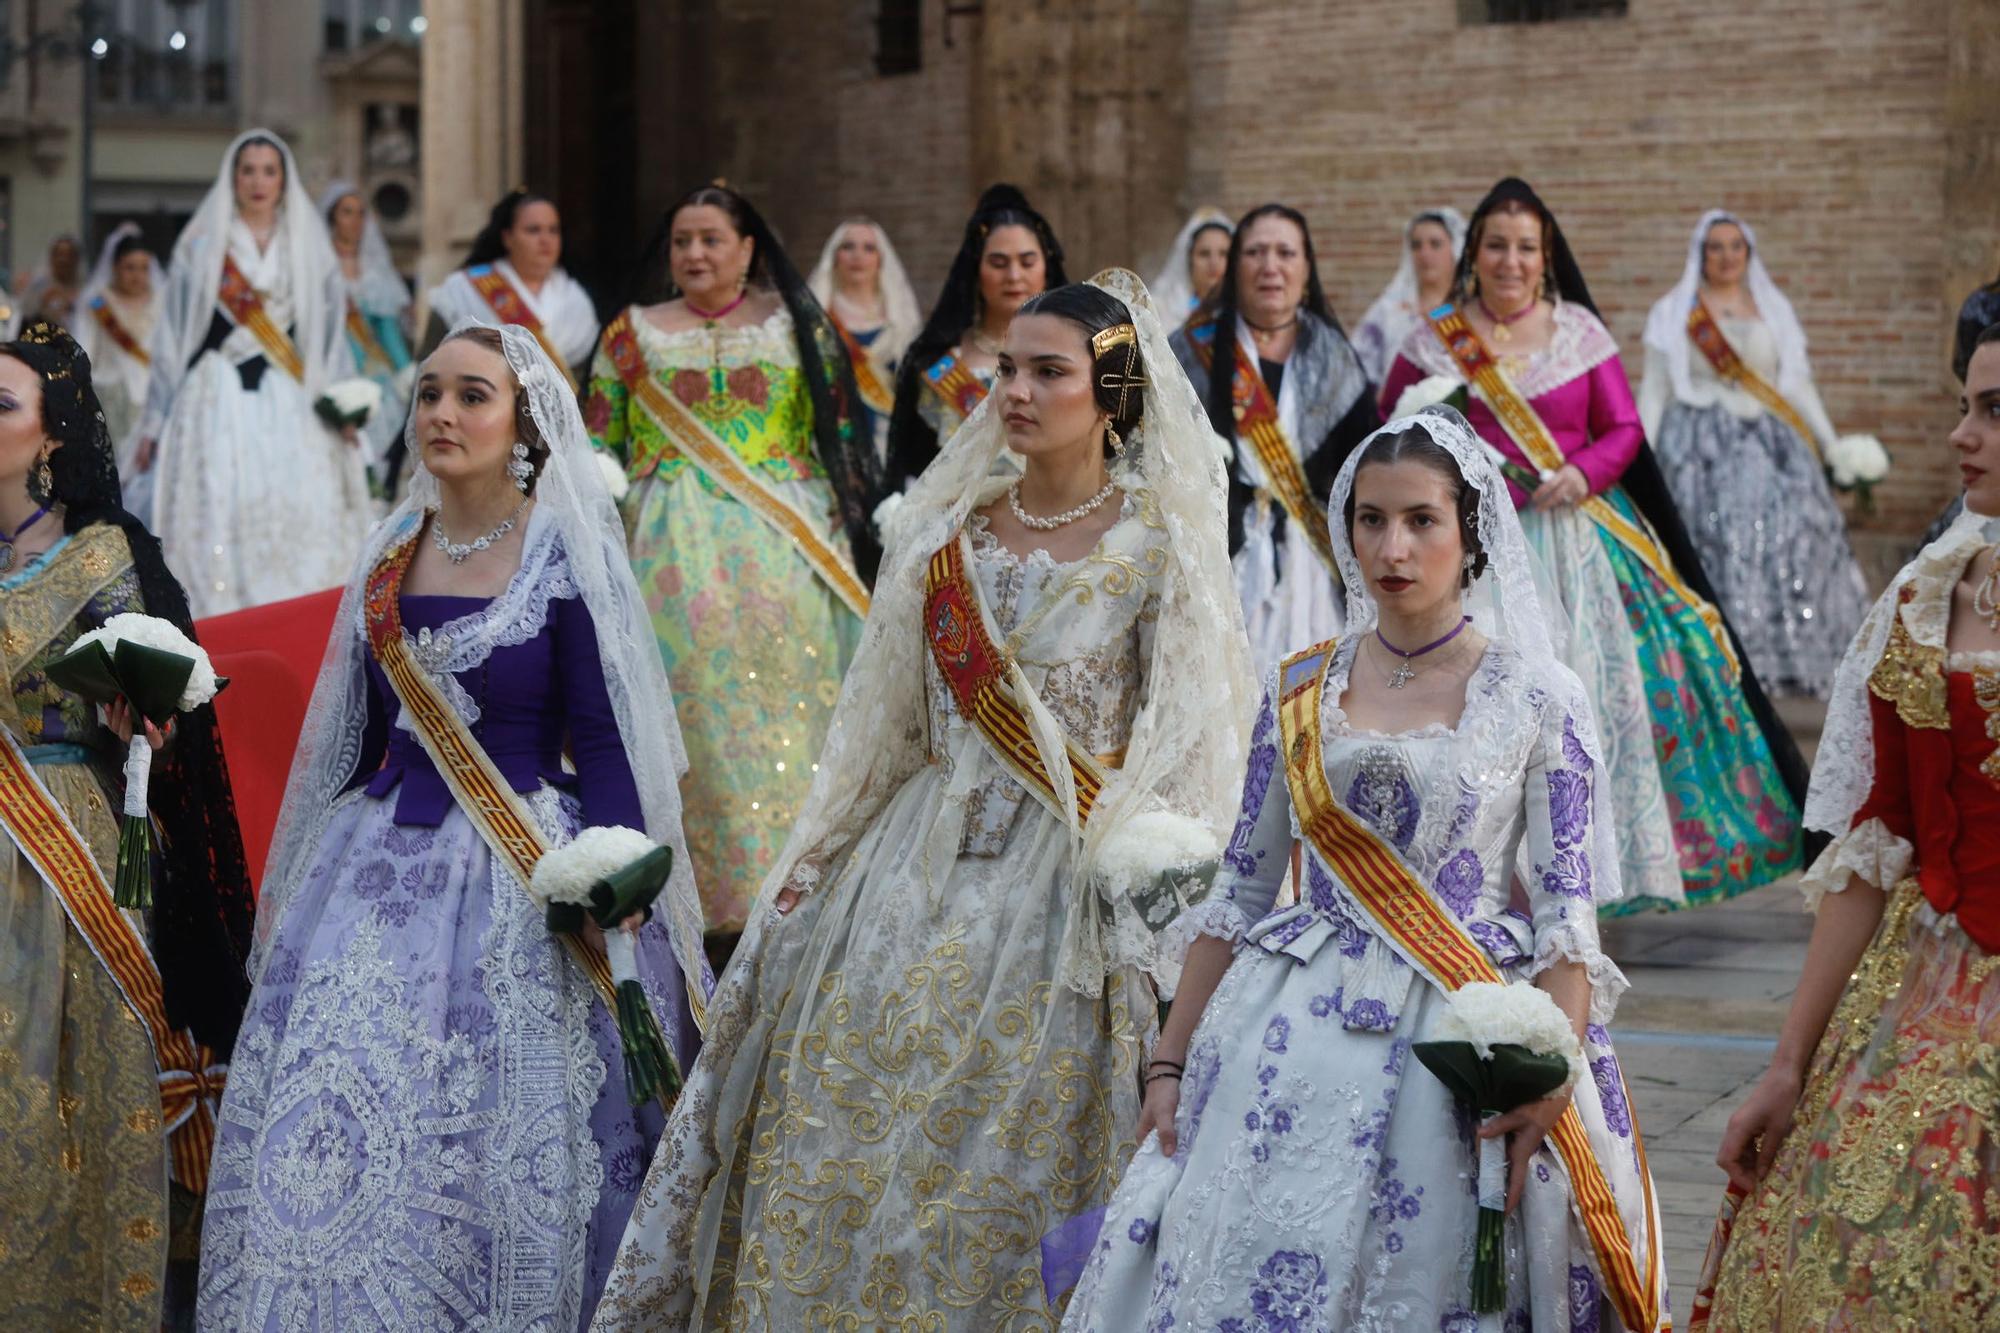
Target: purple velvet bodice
537	700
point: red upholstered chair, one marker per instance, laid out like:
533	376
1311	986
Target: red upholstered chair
271	655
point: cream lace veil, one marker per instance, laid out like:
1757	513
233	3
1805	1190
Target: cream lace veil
574	546
1188	745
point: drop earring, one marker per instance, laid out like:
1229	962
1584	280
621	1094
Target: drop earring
520	469
44	482
1114	440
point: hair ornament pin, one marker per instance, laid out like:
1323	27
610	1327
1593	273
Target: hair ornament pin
1117	335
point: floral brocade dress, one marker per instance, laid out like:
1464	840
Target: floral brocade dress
1703	813
898	1098
755	643
1882	1206
84	1229
1323	1179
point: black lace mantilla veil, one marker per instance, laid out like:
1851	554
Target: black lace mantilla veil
844	445
1644	482
912	442
1320	458
203	910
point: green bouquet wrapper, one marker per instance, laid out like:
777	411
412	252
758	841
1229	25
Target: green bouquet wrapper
1510	1078
152	681
650	1070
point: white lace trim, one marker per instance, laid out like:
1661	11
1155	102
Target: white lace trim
1217	917
771	339
1569	943
1868	850
1974	659
517	615
1579	344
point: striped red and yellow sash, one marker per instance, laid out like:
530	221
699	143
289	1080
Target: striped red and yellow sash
510	307
695	442
1527	429
363	333
114	329
191	1080
879	397
959	387
1432	941
246	308
975	671
1258	426
1707	335
476	784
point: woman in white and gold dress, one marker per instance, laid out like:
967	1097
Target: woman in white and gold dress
925	1055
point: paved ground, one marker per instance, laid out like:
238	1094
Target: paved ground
1709	992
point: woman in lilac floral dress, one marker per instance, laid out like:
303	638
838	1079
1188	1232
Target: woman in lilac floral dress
1307	1173
425	1126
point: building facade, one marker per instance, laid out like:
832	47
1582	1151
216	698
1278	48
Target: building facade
1862	140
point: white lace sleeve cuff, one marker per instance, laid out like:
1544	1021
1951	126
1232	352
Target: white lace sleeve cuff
1222	919
1868	850
1567	943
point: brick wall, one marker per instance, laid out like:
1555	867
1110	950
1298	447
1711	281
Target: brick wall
1821	123
1828	124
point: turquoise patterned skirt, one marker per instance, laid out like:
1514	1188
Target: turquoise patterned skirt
1697	794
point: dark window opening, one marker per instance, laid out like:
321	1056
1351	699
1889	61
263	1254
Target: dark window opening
1537	11
899	37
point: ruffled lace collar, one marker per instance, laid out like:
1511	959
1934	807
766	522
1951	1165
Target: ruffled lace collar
769	340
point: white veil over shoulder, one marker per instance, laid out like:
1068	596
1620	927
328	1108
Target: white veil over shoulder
1173	292
306	260
1394	313
1666	323
1844	764
901	317
574	546
1503	601
380	290
99	280
1189	742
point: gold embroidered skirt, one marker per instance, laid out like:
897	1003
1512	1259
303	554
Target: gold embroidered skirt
84	1226
1882	1208
895	1102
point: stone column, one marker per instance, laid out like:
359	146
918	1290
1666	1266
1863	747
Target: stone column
472	104
1086	108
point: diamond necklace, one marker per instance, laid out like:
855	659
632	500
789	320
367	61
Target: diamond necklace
1062	520
459	553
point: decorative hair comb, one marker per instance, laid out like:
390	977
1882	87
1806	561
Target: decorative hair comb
1112	381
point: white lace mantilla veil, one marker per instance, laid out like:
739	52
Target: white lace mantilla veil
902	318
1666	323
1172	291
1402	289
99	280
1189	741
1504	601
1844	763
317	327
382	290
574	546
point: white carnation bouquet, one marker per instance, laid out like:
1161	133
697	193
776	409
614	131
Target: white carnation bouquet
1498	1047
349	403
1429	392
612	875
159	672
1856	463
612	472
1159	861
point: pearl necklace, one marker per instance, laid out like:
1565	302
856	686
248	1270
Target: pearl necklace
1062	520
459	553
1986	597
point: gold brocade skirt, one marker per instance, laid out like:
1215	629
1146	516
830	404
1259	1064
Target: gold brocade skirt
1882	1208
84	1226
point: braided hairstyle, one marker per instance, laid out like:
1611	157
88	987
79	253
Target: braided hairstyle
203	912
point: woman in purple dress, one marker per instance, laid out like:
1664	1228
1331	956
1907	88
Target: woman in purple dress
424	1128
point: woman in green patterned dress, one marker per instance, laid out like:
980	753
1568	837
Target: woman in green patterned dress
729	407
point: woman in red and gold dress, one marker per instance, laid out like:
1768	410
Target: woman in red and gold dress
1865	1167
